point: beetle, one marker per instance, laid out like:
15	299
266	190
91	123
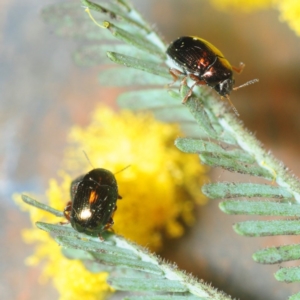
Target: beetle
205	64
93	202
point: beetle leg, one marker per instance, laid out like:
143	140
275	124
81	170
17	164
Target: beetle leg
108	226
64	223
175	74
239	69
197	82
120	197
189	93
183	82
67	211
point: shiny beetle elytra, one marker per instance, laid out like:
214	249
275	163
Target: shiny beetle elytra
93	202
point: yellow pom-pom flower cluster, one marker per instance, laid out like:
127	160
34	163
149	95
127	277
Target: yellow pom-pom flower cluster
289	9
290	13
161	184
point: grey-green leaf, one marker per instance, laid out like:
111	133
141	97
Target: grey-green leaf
136	41
164	297
276	255
261	208
268	228
288	274
244	189
201	117
123	77
295	297
230	163
94	246
154	285
59	229
197	146
42	206
92	55
127	262
144	65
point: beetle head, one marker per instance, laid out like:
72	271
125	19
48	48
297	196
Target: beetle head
224	88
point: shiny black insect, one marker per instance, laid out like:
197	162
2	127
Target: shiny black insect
93	202
203	63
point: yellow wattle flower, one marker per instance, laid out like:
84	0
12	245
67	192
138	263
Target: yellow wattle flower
289	9
161	185
242	5
290	13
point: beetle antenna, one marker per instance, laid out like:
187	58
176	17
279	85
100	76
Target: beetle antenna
245	84
123	169
233	107
86	156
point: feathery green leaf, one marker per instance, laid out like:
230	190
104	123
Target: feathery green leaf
134	268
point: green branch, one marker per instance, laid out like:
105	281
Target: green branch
149	273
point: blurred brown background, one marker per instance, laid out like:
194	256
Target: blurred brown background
42	94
